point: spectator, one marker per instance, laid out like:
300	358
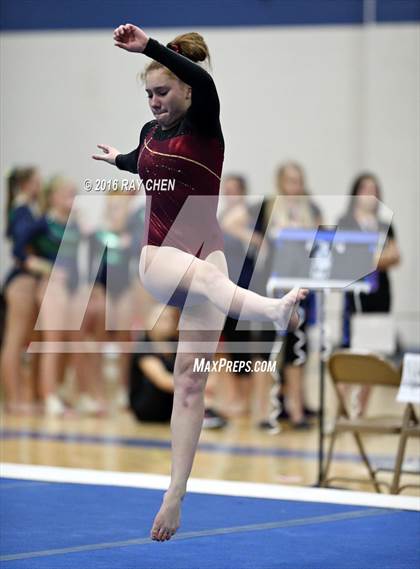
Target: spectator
363	214
151	384
20	287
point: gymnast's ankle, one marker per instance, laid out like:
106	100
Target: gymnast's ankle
175	493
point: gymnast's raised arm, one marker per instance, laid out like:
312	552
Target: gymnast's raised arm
205	105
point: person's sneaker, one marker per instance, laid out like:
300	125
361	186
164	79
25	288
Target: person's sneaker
87	405
271	427
310	413
54	407
302	425
213	420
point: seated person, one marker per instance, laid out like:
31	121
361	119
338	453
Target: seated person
151	385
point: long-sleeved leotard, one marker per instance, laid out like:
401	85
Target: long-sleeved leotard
182	162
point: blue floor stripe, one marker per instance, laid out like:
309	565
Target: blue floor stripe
69	438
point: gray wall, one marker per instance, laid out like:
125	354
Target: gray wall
336	99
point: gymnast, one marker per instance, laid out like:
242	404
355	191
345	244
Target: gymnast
179	159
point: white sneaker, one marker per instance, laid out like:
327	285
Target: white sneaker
53	406
87	405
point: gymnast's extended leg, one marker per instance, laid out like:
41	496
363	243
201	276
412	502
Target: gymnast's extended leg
164	269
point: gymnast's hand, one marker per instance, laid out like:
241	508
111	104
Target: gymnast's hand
109	154
130	38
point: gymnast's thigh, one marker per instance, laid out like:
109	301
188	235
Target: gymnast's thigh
170	274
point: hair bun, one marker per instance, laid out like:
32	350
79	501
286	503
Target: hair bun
191	45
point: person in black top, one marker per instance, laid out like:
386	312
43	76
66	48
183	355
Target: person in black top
151	385
363	215
180	156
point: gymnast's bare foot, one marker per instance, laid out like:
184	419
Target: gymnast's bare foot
286	317
167	519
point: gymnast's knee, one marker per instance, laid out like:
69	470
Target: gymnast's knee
208	276
190	385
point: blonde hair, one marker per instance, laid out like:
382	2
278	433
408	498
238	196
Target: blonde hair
279	207
54	184
190	45
281	171
50	187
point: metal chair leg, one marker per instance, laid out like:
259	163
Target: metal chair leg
366	460
328	460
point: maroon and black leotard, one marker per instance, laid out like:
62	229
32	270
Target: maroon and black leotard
181	211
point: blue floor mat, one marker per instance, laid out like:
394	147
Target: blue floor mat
59	526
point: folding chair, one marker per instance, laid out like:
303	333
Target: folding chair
358	368
410	428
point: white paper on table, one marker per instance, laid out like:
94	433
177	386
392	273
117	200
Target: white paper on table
409	391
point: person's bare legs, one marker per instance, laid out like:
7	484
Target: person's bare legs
294	391
200	323
186	424
54	302
88	366
20	318
124	321
357	398
29	394
263	384
100	335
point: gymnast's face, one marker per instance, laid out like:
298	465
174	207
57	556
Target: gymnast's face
169	98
